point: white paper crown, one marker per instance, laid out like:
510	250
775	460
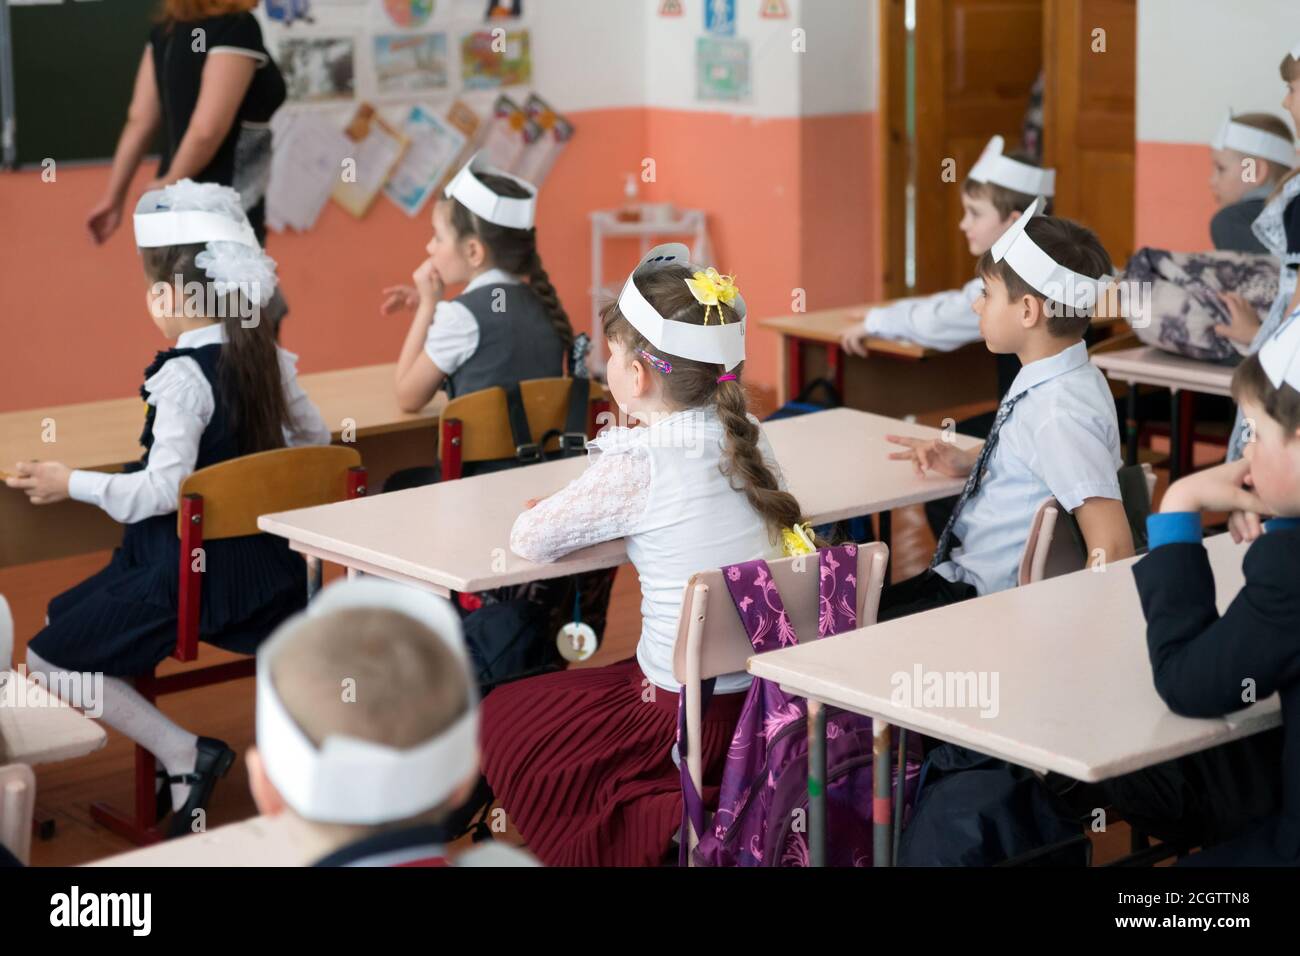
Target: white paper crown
188	212
717	344
1043	273
1254	142
471	192
1280	356
992	167
358	781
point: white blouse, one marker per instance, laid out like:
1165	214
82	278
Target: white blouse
184	406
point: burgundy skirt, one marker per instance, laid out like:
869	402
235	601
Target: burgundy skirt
581	761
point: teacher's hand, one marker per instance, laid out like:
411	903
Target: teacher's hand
104	220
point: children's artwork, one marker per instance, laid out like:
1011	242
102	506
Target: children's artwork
720	17
670	8
504	9
774	10
376	149
408	13
411	62
288	12
435	145
318	68
509	135
721	69
307	160
556	131
491	59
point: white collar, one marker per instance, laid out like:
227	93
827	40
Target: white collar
491	277
1036	373
214	334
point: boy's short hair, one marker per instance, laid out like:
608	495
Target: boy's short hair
1069	244
1290	68
1274	125
1280	402
1006	201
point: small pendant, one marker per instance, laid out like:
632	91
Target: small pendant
576	641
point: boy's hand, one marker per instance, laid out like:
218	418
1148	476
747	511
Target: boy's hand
1245	320
1223	488
1245	526
932	454
427	282
44	482
399	298
854	341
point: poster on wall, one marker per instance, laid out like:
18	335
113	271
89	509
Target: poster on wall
774	10
670	8
721	70
376	148
318	69
720	17
404	14
536	163
509	135
288	12
435	145
487	64
504	9
411	62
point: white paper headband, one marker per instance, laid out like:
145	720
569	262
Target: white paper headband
1043	273
156	225
718	344
470	191
355	781
1280	356
1255	142
992	167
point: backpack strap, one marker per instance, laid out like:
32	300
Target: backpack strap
527	451
837	588
573	439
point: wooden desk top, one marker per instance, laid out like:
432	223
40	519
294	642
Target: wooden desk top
40	728
1074	687
257	841
455	535
1151	366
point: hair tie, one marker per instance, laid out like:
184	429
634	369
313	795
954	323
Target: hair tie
728	378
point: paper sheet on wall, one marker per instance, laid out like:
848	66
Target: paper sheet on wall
556	131
721	69
435	147
510	133
376	149
308	154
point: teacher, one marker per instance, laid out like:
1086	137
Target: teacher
207	81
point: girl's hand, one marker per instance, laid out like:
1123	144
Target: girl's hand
532	503
1245	320
399	298
427	282
933	454
854	341
104	220
1223	488
45	482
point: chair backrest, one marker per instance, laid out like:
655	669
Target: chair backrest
6	633
17	799
483	421
236	492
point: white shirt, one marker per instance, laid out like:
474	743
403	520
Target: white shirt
453	336
659	487
1062	441
185	405
945	321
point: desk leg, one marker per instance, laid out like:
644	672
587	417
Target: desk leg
315	574
1187	435
816	783
900	794
1175	436
1132	425
881	819
835	367
793	367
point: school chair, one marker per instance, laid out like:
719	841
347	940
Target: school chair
499	424
711	640
17	801
1049	554
224	501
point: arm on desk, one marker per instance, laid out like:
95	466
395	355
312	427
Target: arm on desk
945	321
1200	660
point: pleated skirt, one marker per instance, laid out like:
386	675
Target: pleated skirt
581	761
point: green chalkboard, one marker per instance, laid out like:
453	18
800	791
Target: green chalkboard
74	66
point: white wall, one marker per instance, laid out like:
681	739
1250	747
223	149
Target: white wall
1198	58
842	65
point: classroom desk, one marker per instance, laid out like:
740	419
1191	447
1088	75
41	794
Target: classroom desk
455	535
257	841
1074	687
39	728
1151	366
105	436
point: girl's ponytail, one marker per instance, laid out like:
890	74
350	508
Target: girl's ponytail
743	462
540	283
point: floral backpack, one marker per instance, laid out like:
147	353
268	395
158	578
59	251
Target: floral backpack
764	795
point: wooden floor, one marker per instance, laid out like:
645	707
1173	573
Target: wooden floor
66	790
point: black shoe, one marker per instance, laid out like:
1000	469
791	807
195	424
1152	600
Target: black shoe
214	760
162	795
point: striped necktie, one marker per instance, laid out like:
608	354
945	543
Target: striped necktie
976	476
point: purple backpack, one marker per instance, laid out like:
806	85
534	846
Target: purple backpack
764	795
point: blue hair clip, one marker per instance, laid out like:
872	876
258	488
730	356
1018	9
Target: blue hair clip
655	361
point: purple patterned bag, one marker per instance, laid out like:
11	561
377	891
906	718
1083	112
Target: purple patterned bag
764	795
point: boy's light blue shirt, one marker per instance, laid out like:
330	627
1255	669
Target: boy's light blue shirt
1061	441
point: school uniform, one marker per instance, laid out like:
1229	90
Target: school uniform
122	621
945	321
583	760
1230	228
1055	435
421	846
1200	661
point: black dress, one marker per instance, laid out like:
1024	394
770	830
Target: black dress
122	621
243	161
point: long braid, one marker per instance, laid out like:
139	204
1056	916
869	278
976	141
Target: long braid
745	465
540	283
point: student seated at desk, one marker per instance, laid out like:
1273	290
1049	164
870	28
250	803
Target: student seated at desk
1055	433
224	391
367	729
1251	154
1207	665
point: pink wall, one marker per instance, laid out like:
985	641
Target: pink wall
1172	197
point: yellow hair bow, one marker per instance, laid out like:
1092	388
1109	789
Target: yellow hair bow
713	290
798	540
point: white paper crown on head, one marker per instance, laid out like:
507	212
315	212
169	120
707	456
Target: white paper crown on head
1254	142
1280	356
1043	273
472	193
354	781
992	167
717	344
